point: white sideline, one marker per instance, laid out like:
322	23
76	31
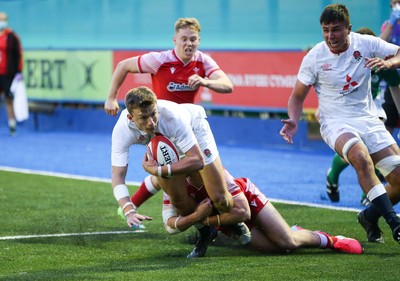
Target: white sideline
60	175
70	234
314	205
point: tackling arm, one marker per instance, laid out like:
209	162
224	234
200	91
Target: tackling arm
175	224
239	213
193	161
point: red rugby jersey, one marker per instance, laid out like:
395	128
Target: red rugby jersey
170	75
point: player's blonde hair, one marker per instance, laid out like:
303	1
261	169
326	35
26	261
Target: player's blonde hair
3	15
191	23
139	98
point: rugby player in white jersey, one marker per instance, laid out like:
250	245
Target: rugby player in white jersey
187	127
340	71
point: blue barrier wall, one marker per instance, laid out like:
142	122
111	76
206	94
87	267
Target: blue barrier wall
230	131
148	24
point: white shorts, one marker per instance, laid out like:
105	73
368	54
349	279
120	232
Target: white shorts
372	132
206	140
379	100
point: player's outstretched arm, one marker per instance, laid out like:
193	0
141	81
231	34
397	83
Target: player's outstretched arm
295	108
121	194
124	67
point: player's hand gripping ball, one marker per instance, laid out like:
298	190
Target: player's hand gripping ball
163	150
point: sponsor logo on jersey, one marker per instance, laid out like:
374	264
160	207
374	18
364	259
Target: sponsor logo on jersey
326	67
172	70
349	83
196	70
253	203
176	87
348	88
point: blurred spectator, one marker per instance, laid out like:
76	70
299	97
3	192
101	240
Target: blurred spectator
10	66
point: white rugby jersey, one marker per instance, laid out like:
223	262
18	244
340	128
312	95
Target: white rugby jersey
175	122
341	81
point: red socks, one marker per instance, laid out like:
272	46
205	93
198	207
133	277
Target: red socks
145	191
327	240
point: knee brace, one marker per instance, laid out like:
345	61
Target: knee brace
388	164
349	144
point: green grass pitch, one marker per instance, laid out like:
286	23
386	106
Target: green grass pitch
42	205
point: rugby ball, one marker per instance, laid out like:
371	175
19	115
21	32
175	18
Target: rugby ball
163	150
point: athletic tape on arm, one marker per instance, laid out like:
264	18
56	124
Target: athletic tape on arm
120	191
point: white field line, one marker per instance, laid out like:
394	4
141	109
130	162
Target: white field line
17	237
60	175
314	205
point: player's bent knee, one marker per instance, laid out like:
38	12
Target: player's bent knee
388	164
287	244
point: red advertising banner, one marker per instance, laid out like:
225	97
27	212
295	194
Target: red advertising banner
261	79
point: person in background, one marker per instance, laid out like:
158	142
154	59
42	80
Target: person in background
11	64
392	79
339	69
176	74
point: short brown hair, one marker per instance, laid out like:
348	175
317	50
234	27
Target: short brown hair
191	23
335	13
365	30
139	98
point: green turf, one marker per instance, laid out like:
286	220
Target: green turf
35	205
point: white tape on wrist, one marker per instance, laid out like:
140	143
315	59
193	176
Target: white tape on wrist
120	191
176	223
130	211
159	171
127	204
169	170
